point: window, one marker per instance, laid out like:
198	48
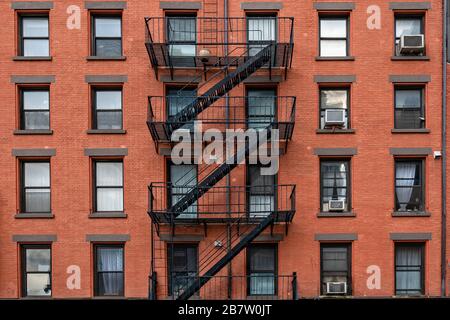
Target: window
261	108
182	35
107	107
177	98
183	177
334	108
409	187
262	269
406	25
107	36
335	183
409	269
183	266
409	108
335	265
109	270
35	187
262	31
34	36
34	108
108	181
333	36
36	270
261	192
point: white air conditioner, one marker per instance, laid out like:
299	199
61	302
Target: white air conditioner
411	44
336	288
335	117
336	205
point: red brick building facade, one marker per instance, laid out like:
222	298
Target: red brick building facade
78	156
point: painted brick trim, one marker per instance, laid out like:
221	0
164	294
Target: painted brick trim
181	238
335	78
419	78
105	5
32	79
106	78
409	5
335	151
334	6
32	5
180	5
33	152
336	236
261	5
34	237
104	152
107	237
410	236
410	151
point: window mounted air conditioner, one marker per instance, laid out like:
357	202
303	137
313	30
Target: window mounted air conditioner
336	288
336	205
411	45
335	117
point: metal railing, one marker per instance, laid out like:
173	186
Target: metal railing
223	204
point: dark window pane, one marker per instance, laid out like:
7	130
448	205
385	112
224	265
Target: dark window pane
261	108
36	120
181	29
37	200
110	284
109	268
108	47
183	178
408	269
109	120
408	186
334	182
262	270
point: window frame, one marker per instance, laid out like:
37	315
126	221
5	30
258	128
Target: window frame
249	272
247	105
22	38
169	43
94	38
420	245
95	187
348	246
96	272
23	268
170	193
170	253
405	16
337	16
167	96
349	182
248	189
95	111
421	161
262	15
346	88
422	103
23	188
22	111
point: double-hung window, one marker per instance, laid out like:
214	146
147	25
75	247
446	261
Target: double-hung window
409	268
409	185
261	108
262	269
182	35
108	183
262	31
34	108
36	270
183	267
262	191
107	36
35	187
335	268
34	36
409	108
407	25
334	108
176	100
183	178
335	183
109	270
333	40
107	108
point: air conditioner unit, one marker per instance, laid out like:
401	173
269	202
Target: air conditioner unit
411	44
336	205
335	117
336	288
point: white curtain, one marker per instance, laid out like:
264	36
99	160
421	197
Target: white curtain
408	275
404	181
111	267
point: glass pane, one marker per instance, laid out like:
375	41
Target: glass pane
108	47
334	259
330	99
333	48
262	284
182	50
109	259
409	119
261	206
37	260
37	174
36	100
262	259
408	98
178	99
261	29
108	27
109	174
110	284
36	48
37	200
38	284
109	120
35	27
333	28
109	199
182	175
37	120
181	29
109	100
407	27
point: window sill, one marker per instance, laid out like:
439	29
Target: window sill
34	216
410	58
23	58
335	131
411	130
348	58
106	131
350	214
262	297
100	58
19	132
106	215
411	214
